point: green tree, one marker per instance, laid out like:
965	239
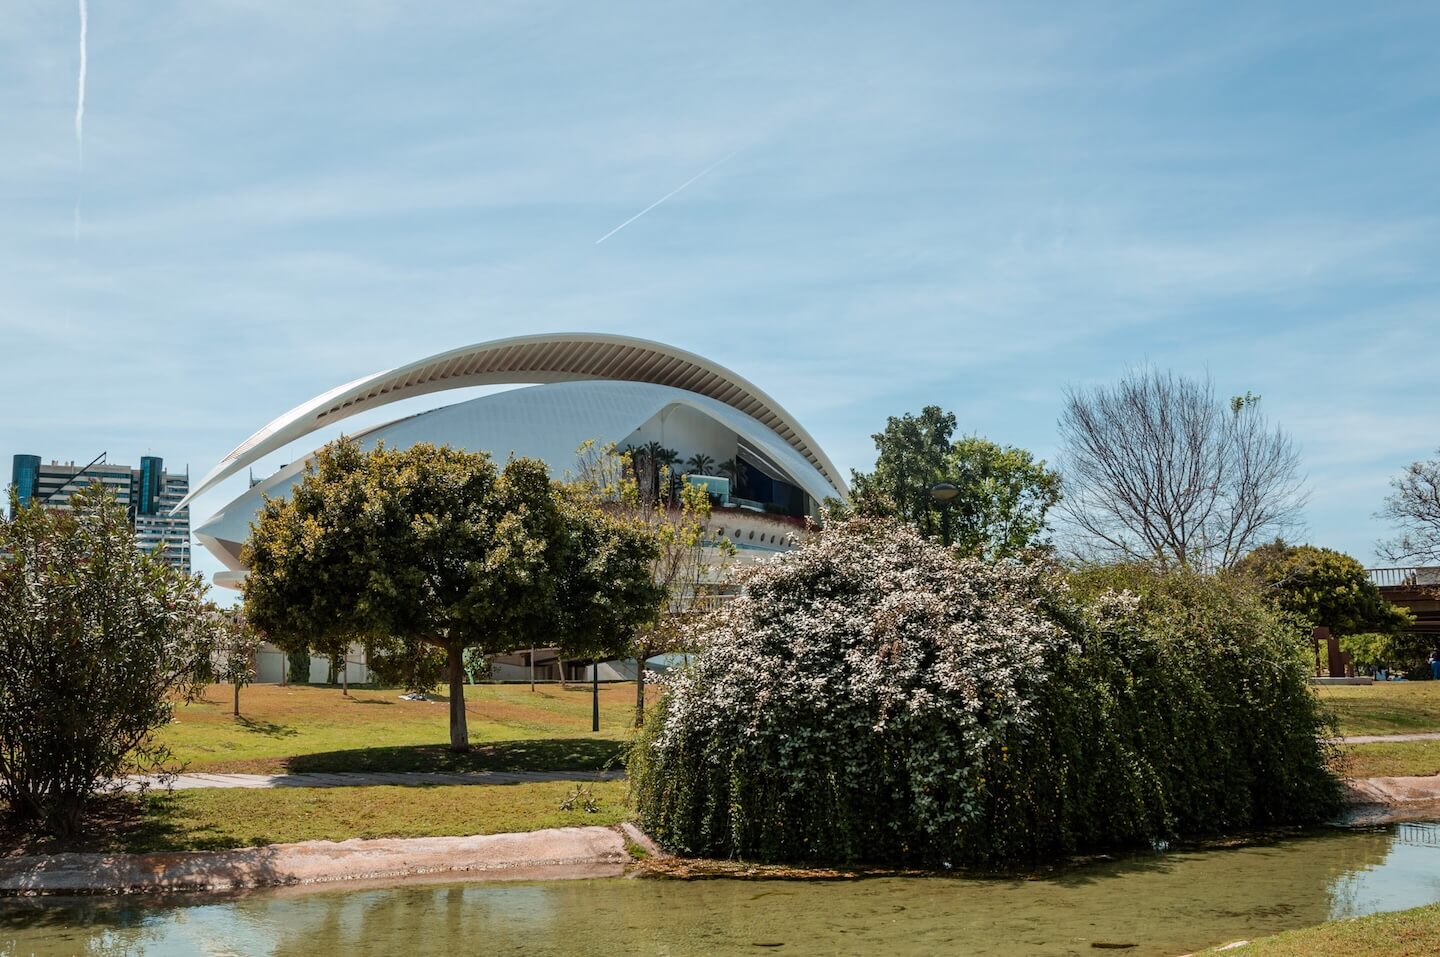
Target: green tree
234	658
1004	494
97	641
912	457
1004	497
436	545
1323	587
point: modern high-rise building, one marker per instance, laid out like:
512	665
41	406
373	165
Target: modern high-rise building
148	494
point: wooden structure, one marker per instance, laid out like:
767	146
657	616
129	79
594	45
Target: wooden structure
1417	590
1330	661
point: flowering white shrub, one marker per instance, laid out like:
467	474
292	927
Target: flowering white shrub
872	697
848	701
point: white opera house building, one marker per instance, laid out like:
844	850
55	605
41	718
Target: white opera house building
577	388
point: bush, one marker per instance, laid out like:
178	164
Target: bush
872	698
95	640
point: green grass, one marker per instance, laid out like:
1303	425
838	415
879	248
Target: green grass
303	728
220	818
1398	759
1409	933
1387	707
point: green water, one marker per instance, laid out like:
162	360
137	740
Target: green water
1163	904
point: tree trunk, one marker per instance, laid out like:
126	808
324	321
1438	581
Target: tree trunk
237	701
459	735
640	691
345	674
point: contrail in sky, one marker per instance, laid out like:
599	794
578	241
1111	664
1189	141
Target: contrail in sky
80	109
665	197
80	96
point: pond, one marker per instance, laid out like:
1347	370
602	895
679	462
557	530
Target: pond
1162	904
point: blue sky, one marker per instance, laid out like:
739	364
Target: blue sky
969	205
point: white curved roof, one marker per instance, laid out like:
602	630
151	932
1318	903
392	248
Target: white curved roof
548	422
557	357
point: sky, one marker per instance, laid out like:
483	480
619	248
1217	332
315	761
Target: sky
970	205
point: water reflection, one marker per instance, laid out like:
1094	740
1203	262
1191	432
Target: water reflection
1163	904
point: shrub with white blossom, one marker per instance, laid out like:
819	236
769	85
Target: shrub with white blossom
872	697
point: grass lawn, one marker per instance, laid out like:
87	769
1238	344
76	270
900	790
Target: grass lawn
1388	707
219	818
304	728
1408	933
1400	759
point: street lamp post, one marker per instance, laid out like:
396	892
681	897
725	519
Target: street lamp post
944	492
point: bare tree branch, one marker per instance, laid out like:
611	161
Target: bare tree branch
1157	470
1414	508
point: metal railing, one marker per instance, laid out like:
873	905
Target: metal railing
1404	577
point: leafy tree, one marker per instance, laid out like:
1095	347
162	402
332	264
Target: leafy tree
686	569
1414	507
436	545
234	658
1323	587
96	642
1004	497
700	464
1157	469
1004	492
912	457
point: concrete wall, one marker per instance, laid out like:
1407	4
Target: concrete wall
270	663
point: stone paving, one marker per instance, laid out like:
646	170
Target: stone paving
1387	738
350	779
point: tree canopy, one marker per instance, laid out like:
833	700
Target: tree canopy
1324	588
97	641
1004	493
436	545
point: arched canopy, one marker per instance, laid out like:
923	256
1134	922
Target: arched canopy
554	357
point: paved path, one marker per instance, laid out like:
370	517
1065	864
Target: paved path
350	779
1386	738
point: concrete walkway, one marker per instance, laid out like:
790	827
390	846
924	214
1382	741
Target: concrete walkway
351	779
1387	738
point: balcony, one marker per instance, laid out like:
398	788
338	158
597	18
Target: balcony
1413	577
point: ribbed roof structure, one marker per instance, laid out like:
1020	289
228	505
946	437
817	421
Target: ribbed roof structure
558	357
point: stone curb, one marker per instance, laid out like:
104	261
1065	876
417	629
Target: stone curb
553	853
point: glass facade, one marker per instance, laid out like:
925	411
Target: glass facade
147	496
24	477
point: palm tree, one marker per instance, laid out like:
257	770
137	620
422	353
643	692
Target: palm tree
699	464
730	469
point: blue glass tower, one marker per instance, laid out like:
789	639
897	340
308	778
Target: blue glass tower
147	498
25	477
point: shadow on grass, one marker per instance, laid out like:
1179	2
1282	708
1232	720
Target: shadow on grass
544	754
120	823
268	728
